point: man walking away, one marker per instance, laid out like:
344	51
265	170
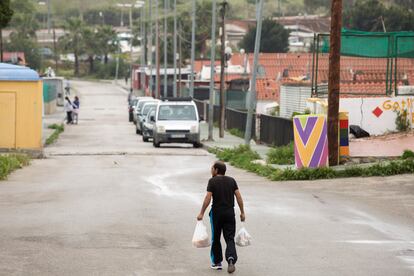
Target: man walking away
222	217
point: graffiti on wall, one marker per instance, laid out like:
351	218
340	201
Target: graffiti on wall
396	105
311	141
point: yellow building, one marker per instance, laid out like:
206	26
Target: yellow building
21	104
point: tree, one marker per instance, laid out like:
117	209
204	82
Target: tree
367	15
106	38
6	14
275	38
408	4
312	5
89	37
23	37
73	41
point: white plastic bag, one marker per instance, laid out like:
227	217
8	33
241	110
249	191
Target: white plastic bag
243	238
200	237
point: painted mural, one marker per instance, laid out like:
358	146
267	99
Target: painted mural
311	141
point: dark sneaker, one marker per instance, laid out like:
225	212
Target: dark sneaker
231	268
216	266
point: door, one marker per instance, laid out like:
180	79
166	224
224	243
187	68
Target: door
7	120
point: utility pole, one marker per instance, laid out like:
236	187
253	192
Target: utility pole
175	49
334	80
279	8
193	27
165	48
222	66
130	44
143	47
150	44
55	50
179	59
157	51
212	62
252	98
48	16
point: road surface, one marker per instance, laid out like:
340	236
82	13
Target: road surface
105	203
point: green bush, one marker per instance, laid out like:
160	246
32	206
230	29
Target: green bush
408	154
12	162
402	121
281	155
236	132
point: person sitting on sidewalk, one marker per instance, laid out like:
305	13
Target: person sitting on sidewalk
222	217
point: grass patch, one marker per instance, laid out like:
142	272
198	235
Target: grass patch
236	132
55	135
12	162
242	157
284	155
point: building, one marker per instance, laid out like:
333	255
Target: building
21	108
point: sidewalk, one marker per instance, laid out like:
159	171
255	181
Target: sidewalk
56	118
228	141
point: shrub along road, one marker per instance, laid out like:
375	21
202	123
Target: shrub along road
105	203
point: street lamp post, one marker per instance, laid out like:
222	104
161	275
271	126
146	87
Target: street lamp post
193	27
138	4
166	6
212	62
175	49
157	51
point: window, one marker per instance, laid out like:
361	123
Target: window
177	113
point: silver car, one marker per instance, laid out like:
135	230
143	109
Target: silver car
148	125
142	113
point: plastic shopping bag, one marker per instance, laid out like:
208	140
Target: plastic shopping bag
200	237
243	238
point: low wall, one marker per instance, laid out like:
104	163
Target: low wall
375	115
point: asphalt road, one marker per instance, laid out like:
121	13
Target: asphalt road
105	203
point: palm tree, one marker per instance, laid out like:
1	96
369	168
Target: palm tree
89	36
73	41
107	41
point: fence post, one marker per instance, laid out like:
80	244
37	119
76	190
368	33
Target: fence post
205	111
258	126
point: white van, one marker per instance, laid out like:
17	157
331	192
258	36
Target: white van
176	121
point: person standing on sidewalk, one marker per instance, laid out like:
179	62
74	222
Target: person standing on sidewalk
75	112
68	107
222	189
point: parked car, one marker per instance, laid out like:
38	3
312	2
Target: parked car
176	121
131	105
142	113
135	106
148	125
